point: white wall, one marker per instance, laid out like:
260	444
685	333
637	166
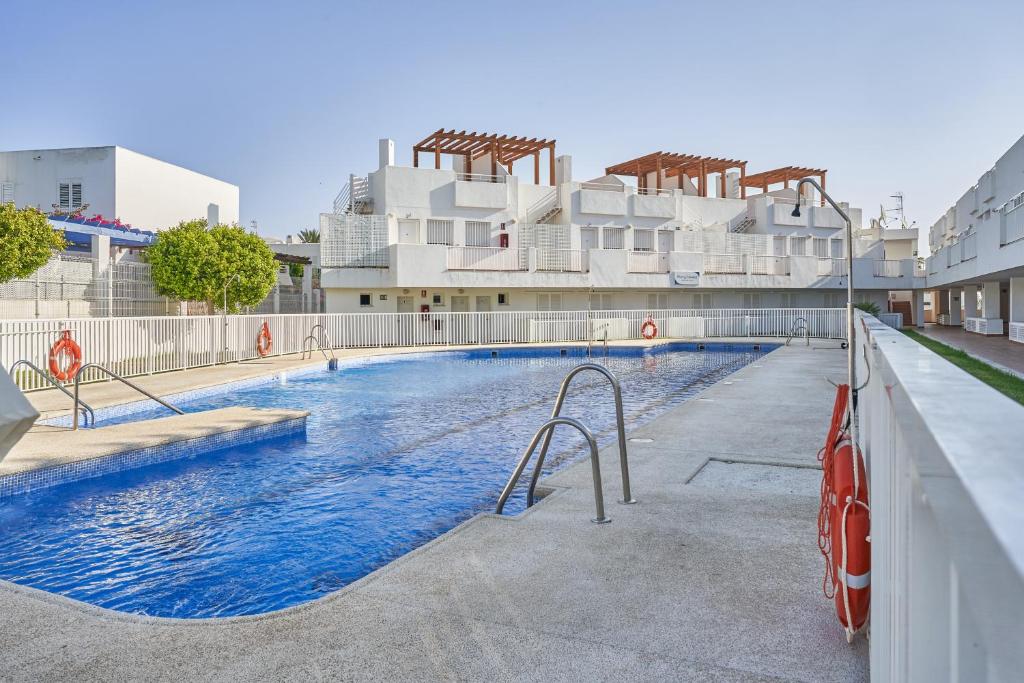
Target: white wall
36	173
154	194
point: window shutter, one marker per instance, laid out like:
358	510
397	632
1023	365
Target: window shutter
64	195
76	195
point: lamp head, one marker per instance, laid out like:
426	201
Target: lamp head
796	210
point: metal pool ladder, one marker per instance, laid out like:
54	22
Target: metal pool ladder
313	338
546	431
799	325
86	409
122	380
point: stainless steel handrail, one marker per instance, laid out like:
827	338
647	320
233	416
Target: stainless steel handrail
627	498
119	378
793	329
86	408
595	466
309	350
327	338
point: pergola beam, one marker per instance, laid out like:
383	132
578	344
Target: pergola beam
504	149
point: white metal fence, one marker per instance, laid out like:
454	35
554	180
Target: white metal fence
888	268
725	264
646	262
947	550
145	345
561	261
486	258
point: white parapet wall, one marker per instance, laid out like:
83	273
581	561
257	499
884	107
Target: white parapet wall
947	526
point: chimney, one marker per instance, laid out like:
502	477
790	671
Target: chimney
387	152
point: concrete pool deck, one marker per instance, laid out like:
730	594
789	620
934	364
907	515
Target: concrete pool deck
699	581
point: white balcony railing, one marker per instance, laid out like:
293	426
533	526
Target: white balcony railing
888	269
969	247
725	264
831	267
485	258
603	187
654	191
768	265
1012	220
646	262
561	261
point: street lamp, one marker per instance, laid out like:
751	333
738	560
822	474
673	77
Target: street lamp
851	355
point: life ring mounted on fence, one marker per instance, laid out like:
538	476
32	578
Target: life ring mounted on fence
65	357
649	329
264	342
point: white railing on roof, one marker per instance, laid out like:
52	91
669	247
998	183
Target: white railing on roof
485	258
888	268
832	267
768	265
604	187
646	262
654	191
353	196
561	261
543	207
947	526
480	177
725	264
146	345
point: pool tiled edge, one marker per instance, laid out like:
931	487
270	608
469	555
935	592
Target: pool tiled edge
43	477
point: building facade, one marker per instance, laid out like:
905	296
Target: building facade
686	235
976	270
113	183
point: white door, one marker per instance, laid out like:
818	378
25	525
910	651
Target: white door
405	304
666	244
460	304
588	241
483	304
408	231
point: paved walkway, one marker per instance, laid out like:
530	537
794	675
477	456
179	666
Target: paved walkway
714	575
997	351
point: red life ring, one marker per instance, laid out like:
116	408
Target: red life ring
264	342
649	329
850	525
62	349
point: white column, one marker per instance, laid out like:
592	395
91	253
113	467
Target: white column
955	296
970	301
99	247
918	297
1017	299
990	301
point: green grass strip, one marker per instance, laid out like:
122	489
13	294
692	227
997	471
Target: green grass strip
1001	381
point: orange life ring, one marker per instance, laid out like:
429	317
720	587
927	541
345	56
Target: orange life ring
264	342
649	329
62	349
851	545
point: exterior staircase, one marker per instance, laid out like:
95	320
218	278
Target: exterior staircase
355	197
741	223
544	209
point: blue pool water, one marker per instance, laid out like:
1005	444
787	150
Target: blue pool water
396	453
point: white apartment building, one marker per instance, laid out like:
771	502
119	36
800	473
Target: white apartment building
976	270
115	183
477	237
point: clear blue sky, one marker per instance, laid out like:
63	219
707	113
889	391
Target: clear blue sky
286	99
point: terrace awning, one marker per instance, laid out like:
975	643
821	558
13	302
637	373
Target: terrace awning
669	164
784	175
503	149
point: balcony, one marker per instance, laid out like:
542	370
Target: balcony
832	267
646	262
486	258
562	261
888	269
768	265
724	264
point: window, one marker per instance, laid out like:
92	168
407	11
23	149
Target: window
788	300
549	302
834	300
657	302
69	194
438	300
702	300
614	238
7	193
752	300
502	299
478	234
643	240
440	232
602	302
365	300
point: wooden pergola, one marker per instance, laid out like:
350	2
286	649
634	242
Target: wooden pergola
784	175
503	149
669	164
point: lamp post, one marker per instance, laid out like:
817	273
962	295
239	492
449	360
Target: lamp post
851	355
226	283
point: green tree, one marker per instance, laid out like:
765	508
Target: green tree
309	236
193	262
27	241
869	307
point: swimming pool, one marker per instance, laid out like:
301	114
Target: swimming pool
397	451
